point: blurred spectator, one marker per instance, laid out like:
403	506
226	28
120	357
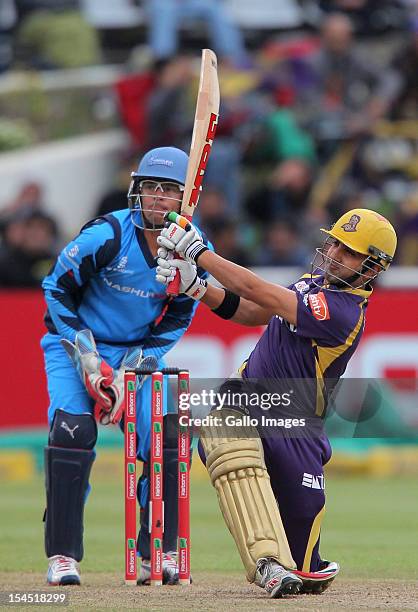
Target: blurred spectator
212	206
30	195
285	194
171	109
369	16
113	200
344	93
116	197
27	248
8	18
287	139
165	17
405	63
224	234
170	105
408	232
282	246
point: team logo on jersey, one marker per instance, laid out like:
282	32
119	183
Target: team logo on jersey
301	286
351	225
319	306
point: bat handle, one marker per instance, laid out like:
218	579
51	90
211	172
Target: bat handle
173	288
176	218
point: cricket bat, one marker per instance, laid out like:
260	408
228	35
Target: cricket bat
204	128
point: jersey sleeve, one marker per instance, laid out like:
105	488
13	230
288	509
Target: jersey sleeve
326	316
94	248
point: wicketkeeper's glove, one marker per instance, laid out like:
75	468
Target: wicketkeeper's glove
133	359
95	373
104	384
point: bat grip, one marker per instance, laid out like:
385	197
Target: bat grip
173	287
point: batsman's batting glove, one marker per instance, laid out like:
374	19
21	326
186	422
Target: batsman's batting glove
188	244
190	282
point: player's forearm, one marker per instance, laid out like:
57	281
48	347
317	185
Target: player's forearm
274	298
248	313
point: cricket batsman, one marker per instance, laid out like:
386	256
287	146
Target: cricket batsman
265	482
105	313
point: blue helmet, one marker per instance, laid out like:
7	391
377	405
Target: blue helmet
168	163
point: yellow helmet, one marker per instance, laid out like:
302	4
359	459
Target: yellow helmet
367	232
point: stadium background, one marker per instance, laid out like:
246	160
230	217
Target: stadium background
73	124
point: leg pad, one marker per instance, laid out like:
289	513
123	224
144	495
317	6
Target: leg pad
67	472
238	473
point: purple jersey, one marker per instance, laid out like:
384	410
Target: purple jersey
319	347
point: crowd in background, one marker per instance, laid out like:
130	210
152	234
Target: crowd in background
313	122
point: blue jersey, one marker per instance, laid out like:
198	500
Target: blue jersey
104	280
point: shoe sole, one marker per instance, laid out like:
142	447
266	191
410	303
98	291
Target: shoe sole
67	581
316	587
289	586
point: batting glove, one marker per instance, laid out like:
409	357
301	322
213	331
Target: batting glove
95	373
188	244
190	282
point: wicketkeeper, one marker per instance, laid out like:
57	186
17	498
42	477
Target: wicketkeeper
106	312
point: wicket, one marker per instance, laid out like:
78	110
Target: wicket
156	512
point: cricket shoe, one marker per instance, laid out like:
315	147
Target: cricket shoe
170	570
317	582
275	579
62	571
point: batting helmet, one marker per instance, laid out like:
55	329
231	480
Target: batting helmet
366	232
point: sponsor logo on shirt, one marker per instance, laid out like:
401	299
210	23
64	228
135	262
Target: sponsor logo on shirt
313	482
319	306
142	293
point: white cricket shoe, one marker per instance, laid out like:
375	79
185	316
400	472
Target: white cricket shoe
170	570
62	571
275	579
317	582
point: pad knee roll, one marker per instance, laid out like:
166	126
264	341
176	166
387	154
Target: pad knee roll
73	430
238	472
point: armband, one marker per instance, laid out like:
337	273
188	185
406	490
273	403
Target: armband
229	305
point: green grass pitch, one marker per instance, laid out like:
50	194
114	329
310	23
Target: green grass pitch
370	527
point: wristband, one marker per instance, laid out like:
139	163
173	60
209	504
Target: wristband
196	251
229	305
